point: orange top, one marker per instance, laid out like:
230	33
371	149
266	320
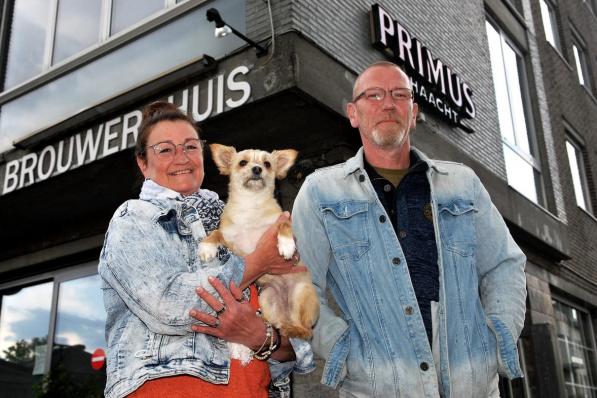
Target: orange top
245	381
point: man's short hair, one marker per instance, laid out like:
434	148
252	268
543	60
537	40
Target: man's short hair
382	63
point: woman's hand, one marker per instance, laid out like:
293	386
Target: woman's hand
266	258
236	321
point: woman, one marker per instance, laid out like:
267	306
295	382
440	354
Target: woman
151	275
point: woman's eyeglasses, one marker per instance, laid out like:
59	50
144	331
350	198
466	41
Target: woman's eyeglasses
167	149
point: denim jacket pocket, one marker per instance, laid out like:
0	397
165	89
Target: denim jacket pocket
456	219
346	225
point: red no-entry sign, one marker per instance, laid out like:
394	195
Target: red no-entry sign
98	358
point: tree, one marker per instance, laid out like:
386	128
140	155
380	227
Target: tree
23	351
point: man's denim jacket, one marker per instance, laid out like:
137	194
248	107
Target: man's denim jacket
150	270
377	345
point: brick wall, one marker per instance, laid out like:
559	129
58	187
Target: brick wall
571	103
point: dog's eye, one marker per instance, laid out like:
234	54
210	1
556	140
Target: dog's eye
267	164
242	163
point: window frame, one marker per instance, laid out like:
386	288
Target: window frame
577	143
592	5
552	10
533	156
580	57
592	340
56	277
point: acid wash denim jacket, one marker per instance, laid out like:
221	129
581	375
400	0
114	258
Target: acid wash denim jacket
150	270
377	346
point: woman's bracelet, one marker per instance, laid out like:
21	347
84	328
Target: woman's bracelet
268	335
263	354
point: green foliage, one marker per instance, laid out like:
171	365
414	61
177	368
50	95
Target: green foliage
60	384
23	351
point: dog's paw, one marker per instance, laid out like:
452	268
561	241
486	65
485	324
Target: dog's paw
207	251
286	246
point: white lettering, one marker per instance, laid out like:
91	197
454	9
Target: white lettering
431	98
386	26
28	163
88	146
11	179
243	86
423	93
184	106
128	128
470	105
60	166
220	103
405	46
233	90
197	116
110	135
420	57
434	71
414	85
41	174
457	99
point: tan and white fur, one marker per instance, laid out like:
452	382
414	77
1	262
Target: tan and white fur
289	302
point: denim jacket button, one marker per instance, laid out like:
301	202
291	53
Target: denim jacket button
408	310
396	261
424	366
362	178
402	234
382	218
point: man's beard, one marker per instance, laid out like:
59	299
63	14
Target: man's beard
389	139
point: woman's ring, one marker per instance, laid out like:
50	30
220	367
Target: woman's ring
220	311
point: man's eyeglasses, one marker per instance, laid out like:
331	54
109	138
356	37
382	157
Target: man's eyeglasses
167	149
378	94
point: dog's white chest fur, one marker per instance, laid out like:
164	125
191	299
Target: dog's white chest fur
246	231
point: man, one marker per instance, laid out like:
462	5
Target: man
429	282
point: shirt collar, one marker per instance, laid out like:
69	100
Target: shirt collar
152	190
417	157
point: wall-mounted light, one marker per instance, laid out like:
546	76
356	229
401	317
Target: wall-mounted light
223	29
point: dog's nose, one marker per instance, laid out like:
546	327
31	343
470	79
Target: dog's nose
256	170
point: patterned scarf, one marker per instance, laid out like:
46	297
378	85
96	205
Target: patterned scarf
203	205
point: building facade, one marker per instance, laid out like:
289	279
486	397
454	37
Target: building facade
507	87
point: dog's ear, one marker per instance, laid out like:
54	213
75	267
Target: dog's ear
222	156
284	161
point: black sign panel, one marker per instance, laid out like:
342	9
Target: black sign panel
435	85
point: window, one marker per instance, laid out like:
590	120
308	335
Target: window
24	324
550	25
577	350
77	27
26	48
128	12
177	38
46	32
73	303
578	171
580	61
522	168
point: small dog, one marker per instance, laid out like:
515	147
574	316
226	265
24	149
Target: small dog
289	302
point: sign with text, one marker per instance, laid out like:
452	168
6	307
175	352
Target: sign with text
435	85
203	99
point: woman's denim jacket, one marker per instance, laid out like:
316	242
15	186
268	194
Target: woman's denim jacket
150	270
377	346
